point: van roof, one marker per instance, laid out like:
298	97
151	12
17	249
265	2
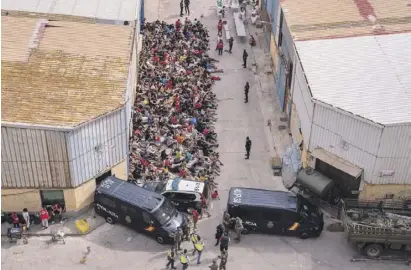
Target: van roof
130	193
262	198
178	184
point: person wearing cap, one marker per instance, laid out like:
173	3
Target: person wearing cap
184	259
199	246
171	254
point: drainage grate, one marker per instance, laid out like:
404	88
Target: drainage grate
283	119
282	127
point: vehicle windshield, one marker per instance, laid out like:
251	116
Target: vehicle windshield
307	209
165	212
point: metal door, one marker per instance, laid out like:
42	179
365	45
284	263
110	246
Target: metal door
281	83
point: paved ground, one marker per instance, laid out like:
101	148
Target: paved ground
115	247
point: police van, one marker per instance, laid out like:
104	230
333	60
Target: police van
139	209
183	194
275	212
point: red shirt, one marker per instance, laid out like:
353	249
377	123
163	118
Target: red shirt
174	120
44	214
15	218
195	215
220	26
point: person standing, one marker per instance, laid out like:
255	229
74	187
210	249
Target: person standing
184	259
245	55
44	217
238	228
247	147
199	248
195	218
171	258
219	233
15	220
181	8
194	239
230	44
177	239
246	89
226	221
223	259
224	242
220	28
204	207
187	6
220	47
26	217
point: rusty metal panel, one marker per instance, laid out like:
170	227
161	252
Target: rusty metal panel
34	159
96	146
357	133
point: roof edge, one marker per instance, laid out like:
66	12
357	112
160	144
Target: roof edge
36	126
348	113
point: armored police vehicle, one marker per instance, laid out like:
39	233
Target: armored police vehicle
275	212
137	208
183	194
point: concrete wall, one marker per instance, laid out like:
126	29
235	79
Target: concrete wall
17	199
377	192
75	198
274	54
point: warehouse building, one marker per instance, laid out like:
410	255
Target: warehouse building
68	84
342	75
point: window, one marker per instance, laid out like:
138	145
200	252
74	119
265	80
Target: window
146	218
51	197
128	210
280	30
184	196
107	202
102	177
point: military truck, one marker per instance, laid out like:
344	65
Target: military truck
377	226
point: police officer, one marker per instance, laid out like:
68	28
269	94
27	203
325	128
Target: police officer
186	233
171	258
246	89
247	147
224	242
199	247
238	228
226	221
181	8
223	259
184	259
194	239
245	55
230	44
177	239
219	233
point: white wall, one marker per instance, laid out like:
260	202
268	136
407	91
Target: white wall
347	137
394	153
302	100
109	134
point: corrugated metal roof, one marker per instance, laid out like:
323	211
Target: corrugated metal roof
62	73
368	76
120	10
318	19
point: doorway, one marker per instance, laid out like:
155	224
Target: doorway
102	177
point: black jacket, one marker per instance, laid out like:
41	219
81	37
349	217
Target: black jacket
248	144
246	88
245	55
224	241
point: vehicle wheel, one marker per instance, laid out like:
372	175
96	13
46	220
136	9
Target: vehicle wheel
110	220
373	250
316	234
304	235
159	239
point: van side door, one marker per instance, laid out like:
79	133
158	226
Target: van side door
130	215
271	221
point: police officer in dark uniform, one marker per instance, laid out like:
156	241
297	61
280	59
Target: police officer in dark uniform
171	254
246	89
181	8
245	55
247	147
230	44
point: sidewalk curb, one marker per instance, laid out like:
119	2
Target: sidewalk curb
66	234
